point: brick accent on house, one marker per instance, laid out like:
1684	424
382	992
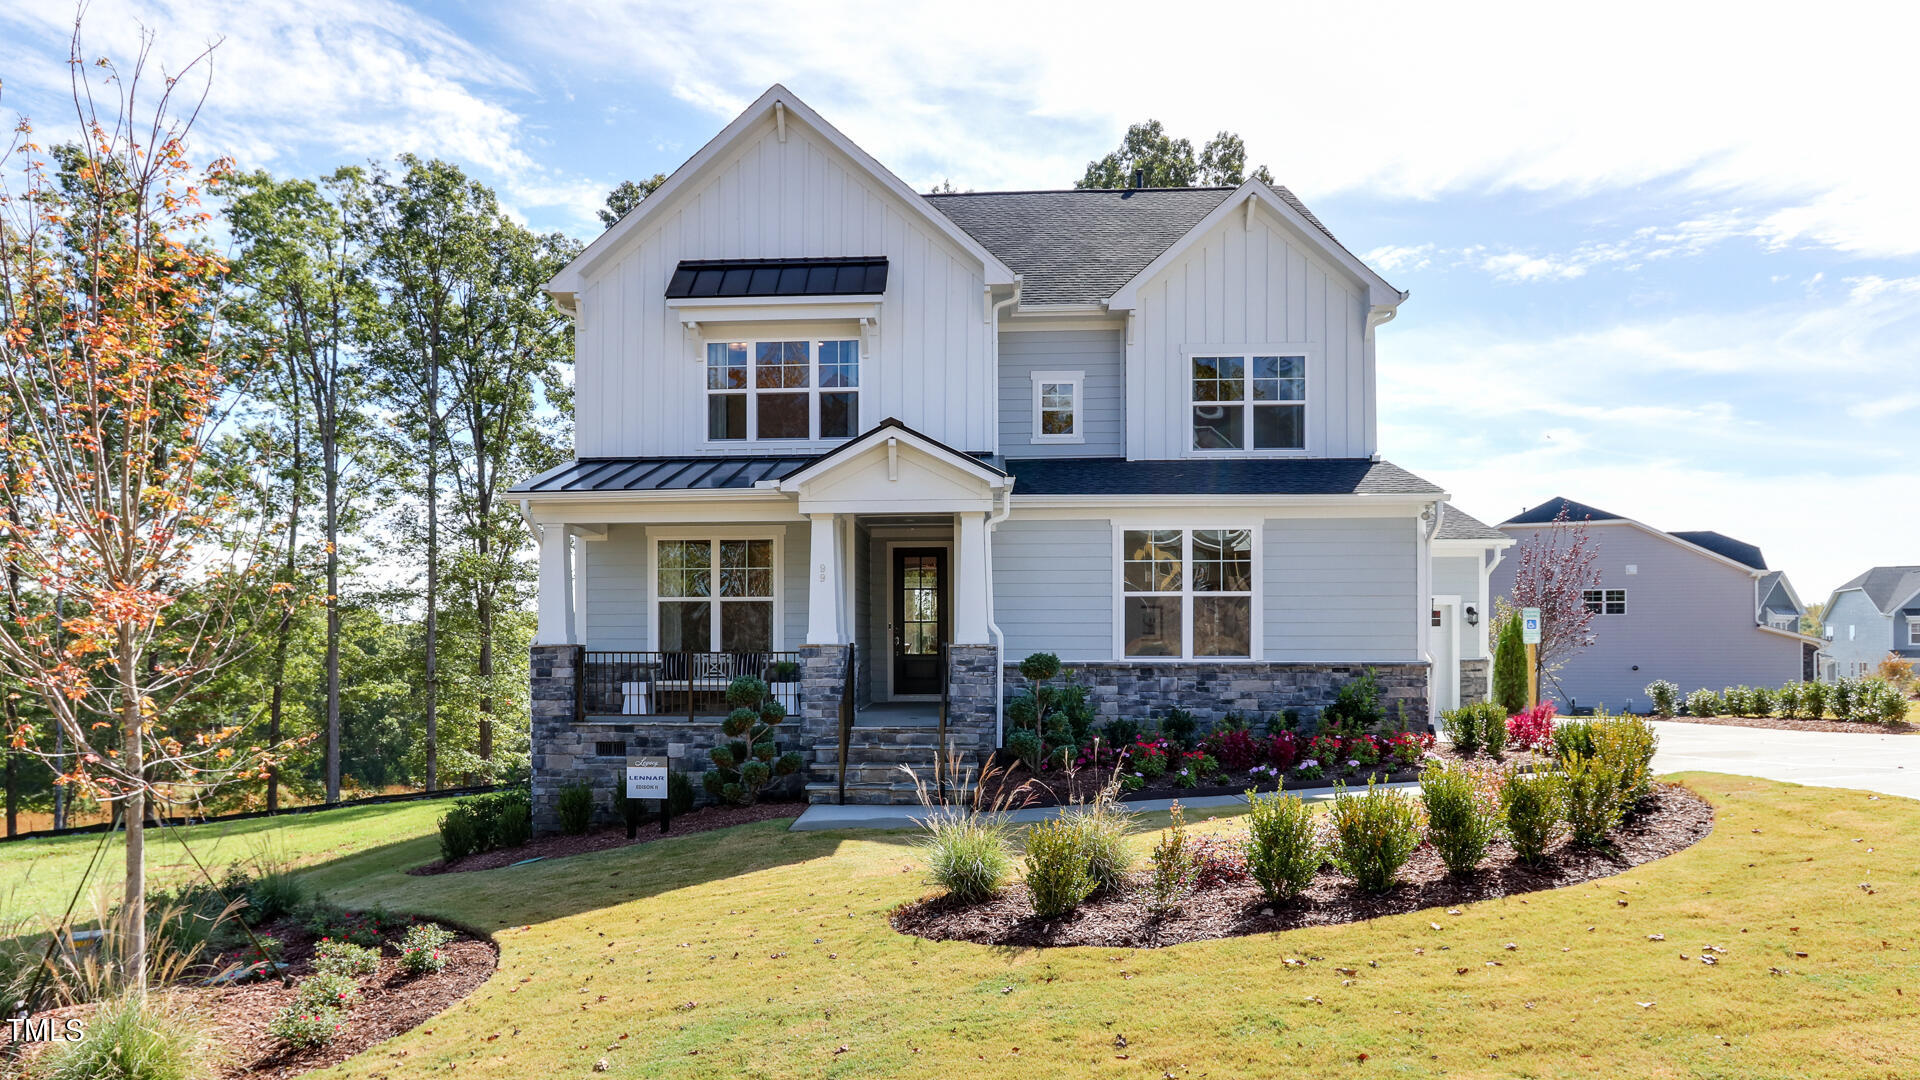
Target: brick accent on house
1256	690
1476	681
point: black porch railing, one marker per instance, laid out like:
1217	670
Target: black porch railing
682	684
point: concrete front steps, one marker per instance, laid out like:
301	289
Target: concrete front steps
875	755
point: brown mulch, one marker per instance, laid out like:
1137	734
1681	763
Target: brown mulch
1898	727
557	847
1016	788
391	1002
1671	819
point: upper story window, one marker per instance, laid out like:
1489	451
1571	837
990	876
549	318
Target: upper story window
1249	401
1186	592
1057	406
783	390
1913	629
1605	601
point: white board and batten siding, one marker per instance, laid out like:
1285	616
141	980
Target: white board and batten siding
1334	589
1099	355
640	386
1251	286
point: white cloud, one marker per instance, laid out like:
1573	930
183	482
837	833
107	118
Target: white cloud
1517	96
1390	257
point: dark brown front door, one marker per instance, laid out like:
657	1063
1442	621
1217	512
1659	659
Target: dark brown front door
919	618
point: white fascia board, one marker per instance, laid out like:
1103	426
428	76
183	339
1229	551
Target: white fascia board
1794	634
847	452
749	309
604	508
1464	546
1380	294
571	279
1651	531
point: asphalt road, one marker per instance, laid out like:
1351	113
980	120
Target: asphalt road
1889	764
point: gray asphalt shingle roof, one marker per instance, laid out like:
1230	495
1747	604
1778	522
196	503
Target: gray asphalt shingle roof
1283	476
1078	246
1457	524
1886	585
1721	544
1548	512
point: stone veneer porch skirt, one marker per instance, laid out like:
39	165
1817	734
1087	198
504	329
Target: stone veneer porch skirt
1254	689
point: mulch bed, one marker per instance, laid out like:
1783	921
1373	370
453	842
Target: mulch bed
1014	787
1898	727
556	847
391	1002
1671	819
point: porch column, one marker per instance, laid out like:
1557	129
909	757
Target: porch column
970	582
556	589
823	582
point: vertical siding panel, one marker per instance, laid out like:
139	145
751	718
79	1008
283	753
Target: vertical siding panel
1318	407
1233	285
1277	252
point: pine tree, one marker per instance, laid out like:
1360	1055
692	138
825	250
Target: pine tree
1510	666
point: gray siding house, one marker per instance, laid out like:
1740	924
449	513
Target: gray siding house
1699	609
1875	615
877	447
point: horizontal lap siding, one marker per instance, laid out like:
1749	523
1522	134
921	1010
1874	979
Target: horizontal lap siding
1053	588
1097	353
1340	589
617	615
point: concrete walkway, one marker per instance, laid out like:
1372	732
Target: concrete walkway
1889	764
821	818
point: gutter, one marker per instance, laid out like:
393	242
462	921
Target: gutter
994	518
533	527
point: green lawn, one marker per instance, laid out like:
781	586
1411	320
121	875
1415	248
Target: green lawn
38	876
757	952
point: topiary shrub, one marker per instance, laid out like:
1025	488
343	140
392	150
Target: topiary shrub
576	809
1665	697
750	758
1530	812
1458	826
1283	847
1373	835
1026	745
1058	877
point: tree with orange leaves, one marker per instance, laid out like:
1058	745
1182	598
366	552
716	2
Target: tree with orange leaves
115	381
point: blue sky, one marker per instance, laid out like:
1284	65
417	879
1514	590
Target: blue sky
1664	258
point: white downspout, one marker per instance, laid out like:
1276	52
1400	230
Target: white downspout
533	527
993	519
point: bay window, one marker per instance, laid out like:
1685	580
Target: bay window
763	390
715	595
1186	593
1248	401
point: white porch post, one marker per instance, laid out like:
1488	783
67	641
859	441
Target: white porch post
556	589
970	580
823	582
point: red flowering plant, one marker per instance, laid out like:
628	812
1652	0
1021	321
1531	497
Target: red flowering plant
1218	861
1283	749
1147	757
1236	751
1364	749
1407	747
1533	729
1325	748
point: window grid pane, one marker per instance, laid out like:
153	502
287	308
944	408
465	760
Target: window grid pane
780	364
839	363
1152	560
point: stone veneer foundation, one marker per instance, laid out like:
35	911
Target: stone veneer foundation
1476	681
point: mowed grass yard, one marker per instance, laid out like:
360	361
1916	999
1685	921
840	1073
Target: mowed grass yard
757	952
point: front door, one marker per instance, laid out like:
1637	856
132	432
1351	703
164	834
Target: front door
919	618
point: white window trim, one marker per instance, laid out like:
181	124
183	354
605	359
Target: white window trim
1256	645
1913	630
656	534
813	389
1076	379
1310	356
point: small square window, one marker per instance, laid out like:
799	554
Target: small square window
1057	406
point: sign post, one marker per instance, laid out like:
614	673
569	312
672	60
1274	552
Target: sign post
647	779
1530	637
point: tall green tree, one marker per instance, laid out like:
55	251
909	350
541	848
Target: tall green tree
1510	664
1165	161
627	195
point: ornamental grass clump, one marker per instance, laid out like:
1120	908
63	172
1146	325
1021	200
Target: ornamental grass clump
1530	812
1373	835
1058	877
1459	826
966	854
1104	826
1283	846
127	1039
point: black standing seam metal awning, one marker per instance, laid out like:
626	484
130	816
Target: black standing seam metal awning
697	279
709	472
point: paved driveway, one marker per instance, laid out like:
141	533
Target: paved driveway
1885	763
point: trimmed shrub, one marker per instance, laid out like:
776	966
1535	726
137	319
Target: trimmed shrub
1461	726
301	1028
1761	701
483	822
1703	702
1530	811
1175	870
1789	699
966	854
749	759
327	990
423	949
344	958
1179	727
679	793
1533	729
1493	728
126	1039
1572	739
1510	665
1025	744
458	835
1840	696
1373	835
1458	826
1590	798
1283	847
1627	744
576	809
1355	708
1733	701
1882	702
1120	731
1814	699
1665	697
1058	877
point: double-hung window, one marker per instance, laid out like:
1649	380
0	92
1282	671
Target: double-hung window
1913	629
1056	406
1186	592
715	595
759	390
1605	601
1249	401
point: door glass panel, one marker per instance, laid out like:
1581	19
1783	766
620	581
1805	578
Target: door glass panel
920	604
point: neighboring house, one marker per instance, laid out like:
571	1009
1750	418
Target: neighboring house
880	446
1698	609
1465	553
1871	616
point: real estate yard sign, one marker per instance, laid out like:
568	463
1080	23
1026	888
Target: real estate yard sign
647	779
1530	637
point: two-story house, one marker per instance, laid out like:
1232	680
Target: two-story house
877	447
1871	617
1696	608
